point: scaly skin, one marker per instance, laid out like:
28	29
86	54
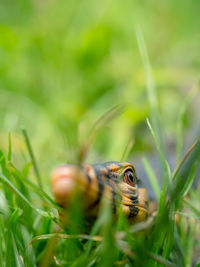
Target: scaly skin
114	181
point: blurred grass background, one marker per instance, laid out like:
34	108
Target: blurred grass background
64	63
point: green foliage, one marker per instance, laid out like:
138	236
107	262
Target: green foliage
31	232
62	65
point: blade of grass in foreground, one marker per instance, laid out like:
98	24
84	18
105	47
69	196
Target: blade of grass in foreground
184	172
99	123
64	236
151	89
163	160
23	177
39	211
152	178
9	147
32	158
161	260
192	93
105	118
42	194
193	208
127	150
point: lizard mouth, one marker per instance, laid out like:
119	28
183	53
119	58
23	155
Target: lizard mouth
142	208
128	202
134	201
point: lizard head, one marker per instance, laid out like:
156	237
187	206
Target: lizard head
94	182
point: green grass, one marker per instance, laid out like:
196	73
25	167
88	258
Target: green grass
62	66
31	233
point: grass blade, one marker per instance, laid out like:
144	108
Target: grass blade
184	173
152	178
151	88
9	147
39	211
32	158
148	71
163	160
64	236
161	260
102	121
192	93
127	150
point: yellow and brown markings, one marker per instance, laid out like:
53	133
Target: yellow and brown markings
114	181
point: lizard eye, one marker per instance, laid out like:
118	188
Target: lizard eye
129	178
